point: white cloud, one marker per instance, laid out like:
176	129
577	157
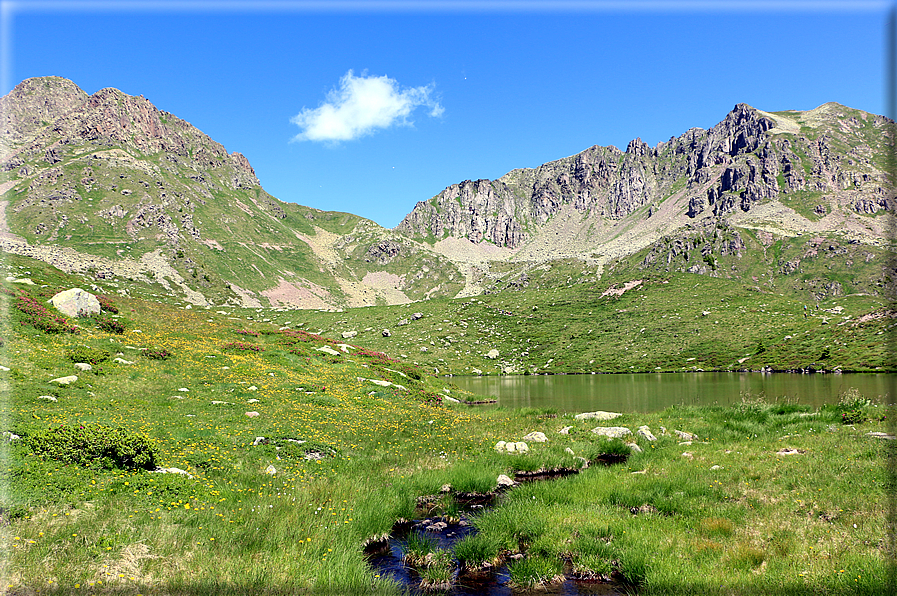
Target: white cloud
362	105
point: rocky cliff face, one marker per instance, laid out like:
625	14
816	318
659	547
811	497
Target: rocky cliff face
831	156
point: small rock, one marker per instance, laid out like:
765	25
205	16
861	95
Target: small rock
635	448
386	333
599	415
349	334
565	430
504	480
260	441
614	432
183	390
173	471
476	371
251	414
790	451
493	354
716	467
83	366
271	470
445	488
568	451
417	316
685	435
65	380
253	401
521	447
252	388
688	455
500	446
122	361
645	432
4	369
221	403
10	436
536	437
881	435
47	397
328	350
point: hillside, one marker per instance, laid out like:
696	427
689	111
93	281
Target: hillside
133	198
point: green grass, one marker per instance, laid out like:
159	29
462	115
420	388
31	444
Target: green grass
288	517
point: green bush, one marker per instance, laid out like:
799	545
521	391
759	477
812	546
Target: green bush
89	355
108	324
157	354
94	445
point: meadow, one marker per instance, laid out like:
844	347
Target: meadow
294	448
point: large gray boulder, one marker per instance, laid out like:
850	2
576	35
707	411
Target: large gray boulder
76	303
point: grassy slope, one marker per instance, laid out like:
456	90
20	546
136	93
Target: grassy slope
806	523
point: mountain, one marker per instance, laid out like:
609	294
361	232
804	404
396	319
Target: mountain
110	186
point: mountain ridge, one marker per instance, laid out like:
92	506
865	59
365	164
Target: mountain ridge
111	186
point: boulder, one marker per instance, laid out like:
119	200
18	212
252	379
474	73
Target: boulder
47	397
504	480
685	435
65	380
613	432
386	333
521	447
349	334
417	316
599	415
536	437
328	350
76	303
83	366
500	446
493	354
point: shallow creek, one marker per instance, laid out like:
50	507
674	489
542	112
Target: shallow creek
387	556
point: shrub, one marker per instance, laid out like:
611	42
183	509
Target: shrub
39	316
853	417
106	304
246	332
89	355
242	347
94	445
108	324
157	354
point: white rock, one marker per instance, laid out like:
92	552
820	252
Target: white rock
511	447
271	470
599	415
614	432
173	471
521	447
83	366
252	388
253	401
504	480
183	390
686	436
565	430
500	446
635	448
122	361
493	354
644	431
75	303
65	380
451	399
328	350
569	451
221	403
349	334
251	414
10	436
259	441
4	369
536	437
47	397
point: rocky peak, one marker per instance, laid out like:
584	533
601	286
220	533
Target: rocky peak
35	103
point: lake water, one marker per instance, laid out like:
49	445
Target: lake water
649	392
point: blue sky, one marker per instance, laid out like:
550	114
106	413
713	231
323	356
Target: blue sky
370	107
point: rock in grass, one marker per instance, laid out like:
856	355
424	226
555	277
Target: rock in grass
613	432
76	303
271	470
328	350
504	480
536	437
9	436
500	446
349	334
47	397
173	471
635	448
685	435
65	380
599	415
122	361
880	435
251	414
565	430
521	447
83	366
259	441
493	354
644	431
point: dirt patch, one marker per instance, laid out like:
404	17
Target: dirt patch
620	291
298	296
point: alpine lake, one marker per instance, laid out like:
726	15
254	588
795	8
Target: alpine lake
652	392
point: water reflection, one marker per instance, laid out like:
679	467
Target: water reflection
655	391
